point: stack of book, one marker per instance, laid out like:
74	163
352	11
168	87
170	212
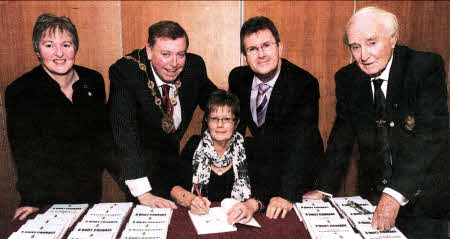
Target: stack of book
146	222
323	221
359	212
103	220
52	224
351	207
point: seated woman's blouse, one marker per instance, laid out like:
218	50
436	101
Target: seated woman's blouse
58	145
220	187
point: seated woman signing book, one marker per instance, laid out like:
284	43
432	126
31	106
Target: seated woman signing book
219	166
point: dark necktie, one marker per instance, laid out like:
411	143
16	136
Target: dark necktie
382	142
261	103
168	107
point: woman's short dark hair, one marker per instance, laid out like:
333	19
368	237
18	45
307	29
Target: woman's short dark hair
220	98
167	29
51	22
256	24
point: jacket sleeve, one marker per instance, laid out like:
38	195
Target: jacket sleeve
123	119
300	135
341	139
26	145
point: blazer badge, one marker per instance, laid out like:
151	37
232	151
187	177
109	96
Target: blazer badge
410	123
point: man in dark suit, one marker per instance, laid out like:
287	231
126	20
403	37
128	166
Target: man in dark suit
279	105
393	100
154	92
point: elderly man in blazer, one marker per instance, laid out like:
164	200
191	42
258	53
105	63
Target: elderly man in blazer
393	100
154	92
279	106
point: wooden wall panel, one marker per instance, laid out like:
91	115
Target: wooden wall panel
311	32
212	28
99	33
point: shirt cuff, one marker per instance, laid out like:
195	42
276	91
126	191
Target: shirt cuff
138	186
329	195
396	195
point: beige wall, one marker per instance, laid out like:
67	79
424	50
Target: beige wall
311	32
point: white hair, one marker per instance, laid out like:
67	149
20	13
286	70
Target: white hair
383	17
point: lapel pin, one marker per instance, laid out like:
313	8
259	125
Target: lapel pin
410	123
381	122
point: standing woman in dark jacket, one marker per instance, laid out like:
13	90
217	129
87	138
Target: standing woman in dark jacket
56	122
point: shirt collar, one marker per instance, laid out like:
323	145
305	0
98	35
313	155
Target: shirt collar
271	83
385	74
158	80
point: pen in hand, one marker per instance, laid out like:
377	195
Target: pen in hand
200	196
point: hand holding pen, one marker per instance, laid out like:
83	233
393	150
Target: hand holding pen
199	205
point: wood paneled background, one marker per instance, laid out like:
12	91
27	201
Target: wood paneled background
311	32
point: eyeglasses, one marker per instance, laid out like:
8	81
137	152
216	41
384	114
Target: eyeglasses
216	120
266	47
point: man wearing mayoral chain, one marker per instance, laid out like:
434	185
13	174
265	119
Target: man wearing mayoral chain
154	92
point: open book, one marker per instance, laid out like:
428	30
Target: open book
215	221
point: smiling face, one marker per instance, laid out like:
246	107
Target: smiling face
370	43
220	130
265	63
56	52
167	57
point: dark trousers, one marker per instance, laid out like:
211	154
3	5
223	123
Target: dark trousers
416	224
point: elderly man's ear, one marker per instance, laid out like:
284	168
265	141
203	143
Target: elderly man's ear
394	39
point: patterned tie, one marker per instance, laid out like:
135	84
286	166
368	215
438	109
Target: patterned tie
261	103
167	105
383	151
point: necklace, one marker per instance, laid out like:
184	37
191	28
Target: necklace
219	171
167	123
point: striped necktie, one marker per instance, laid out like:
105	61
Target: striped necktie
261	103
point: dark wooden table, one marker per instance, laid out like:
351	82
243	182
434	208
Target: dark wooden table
181	227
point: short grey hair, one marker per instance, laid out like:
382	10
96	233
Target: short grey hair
383	17
51	22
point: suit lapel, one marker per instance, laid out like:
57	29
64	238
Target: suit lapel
275	102
246	91
148	97
363	96
143	57
184	96
396	75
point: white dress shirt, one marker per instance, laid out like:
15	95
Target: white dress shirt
385	77
142	185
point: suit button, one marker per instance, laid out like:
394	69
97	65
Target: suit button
391	124
418	193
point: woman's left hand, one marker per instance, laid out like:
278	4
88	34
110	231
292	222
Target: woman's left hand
242	210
